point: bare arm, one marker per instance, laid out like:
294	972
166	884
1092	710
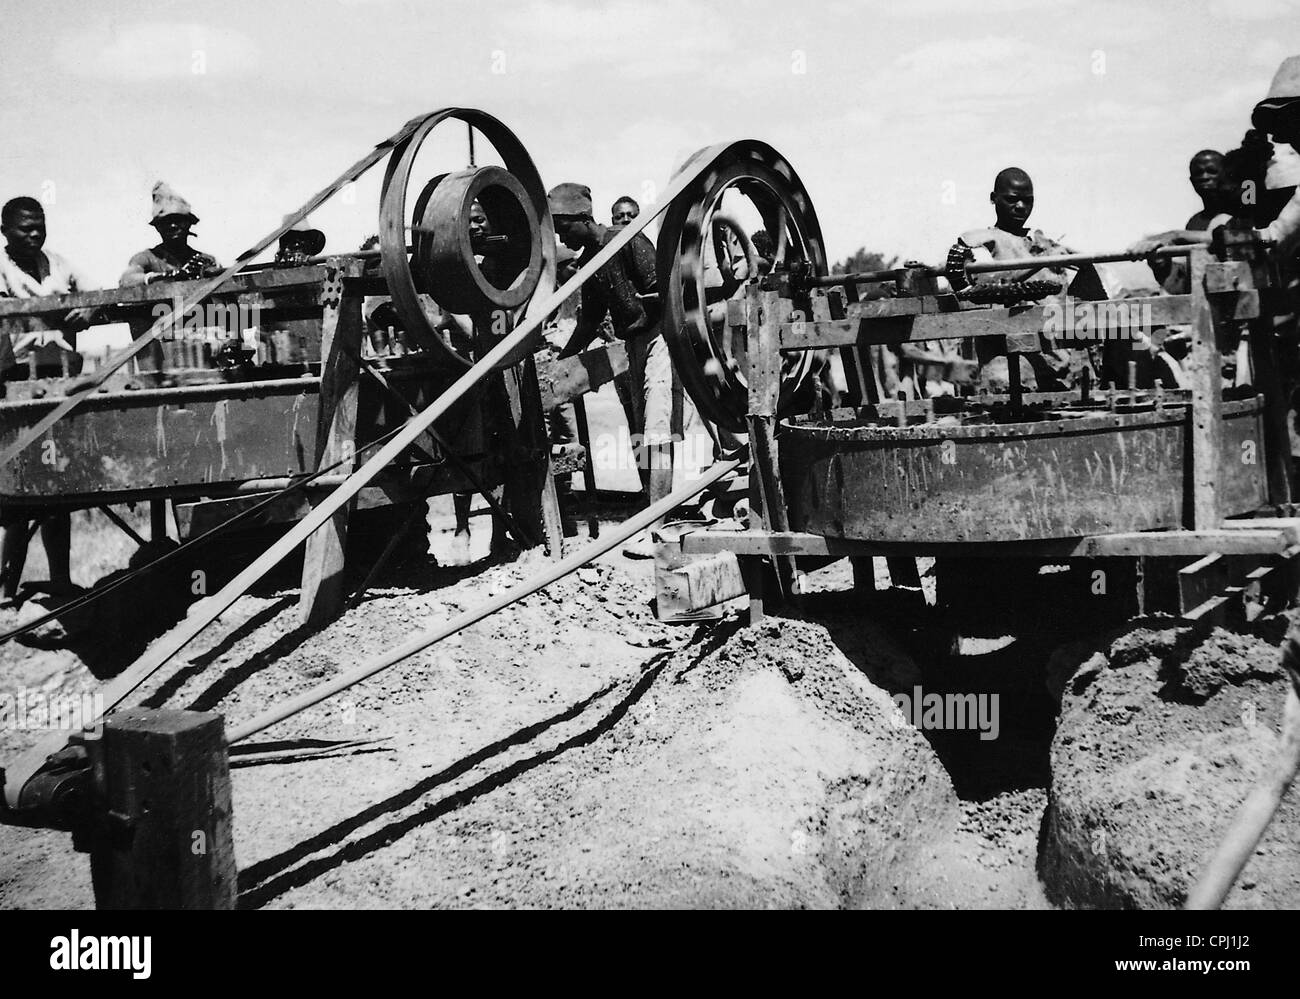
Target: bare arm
138	271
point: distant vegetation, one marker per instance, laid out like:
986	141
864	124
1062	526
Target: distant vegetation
861	260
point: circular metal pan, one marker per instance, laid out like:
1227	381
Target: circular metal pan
396	262
712	367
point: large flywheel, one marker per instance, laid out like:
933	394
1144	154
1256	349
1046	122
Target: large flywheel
430	251
746	186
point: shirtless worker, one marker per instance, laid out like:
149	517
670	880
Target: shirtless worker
1010	238
27	270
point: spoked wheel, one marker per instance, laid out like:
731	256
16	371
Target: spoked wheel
760	185
496	286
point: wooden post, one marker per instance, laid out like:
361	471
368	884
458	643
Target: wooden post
1205	376
529	486
766	309
323	589
162	789
588	468
1268	381
158	520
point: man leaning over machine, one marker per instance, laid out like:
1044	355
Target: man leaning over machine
625	289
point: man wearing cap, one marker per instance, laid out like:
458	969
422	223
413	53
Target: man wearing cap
174	257
625	289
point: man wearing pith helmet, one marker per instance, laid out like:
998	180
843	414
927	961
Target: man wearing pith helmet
174	257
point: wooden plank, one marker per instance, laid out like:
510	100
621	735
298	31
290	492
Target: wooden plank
323	590
766	311
764	378
164	291
1289	526
898	327
529	485
567	379
682	591
1204	369
1163	543
163	790
1228	275
1211	576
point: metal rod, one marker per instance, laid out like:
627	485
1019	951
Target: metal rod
1059	260
421	641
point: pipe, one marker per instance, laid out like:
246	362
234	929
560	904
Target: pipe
423	640
1059	260
1261	804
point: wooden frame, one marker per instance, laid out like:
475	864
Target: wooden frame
1222	292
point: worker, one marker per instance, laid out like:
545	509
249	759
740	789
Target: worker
624	210
1209	178
1054	367
625	289
174	257
28	270
298	244
1277	115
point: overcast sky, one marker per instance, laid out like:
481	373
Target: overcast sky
897	115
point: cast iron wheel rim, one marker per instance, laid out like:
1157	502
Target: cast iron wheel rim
712	372
395	262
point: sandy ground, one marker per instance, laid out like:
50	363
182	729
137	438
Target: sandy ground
571	751
493	774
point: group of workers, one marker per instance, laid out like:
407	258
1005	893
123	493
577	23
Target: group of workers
1255	185
28	270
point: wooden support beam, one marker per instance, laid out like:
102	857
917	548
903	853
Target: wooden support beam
1211	576
323	589
529	485
907	320
1204	368
1156	543
685	589
767	311
162	799
568	379
158	520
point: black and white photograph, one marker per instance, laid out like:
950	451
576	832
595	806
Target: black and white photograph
692	455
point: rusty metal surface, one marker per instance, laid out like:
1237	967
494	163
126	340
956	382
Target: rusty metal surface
128	443
1009	482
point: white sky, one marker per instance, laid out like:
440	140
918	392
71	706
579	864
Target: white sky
900	118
